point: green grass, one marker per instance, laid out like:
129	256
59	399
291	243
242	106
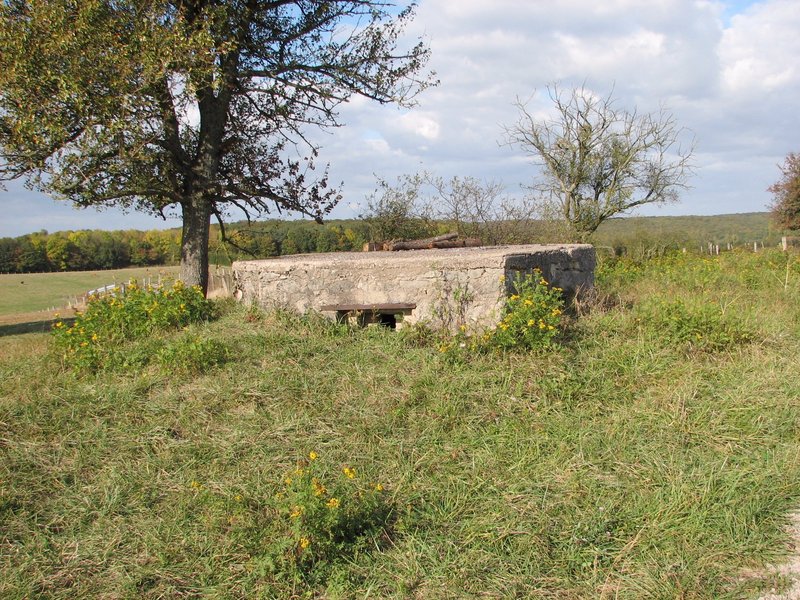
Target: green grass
31	292
625	463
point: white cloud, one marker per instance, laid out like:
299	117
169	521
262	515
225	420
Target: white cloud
420	124
759	51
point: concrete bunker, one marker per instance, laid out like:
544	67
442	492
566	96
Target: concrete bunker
443	288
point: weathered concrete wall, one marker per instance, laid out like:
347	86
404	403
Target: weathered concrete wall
449	287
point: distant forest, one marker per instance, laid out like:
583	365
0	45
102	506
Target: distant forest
92	250
89	250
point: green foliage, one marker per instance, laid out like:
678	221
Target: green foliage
97	337
327	518
531	316
191	353
88	250
703	326
786	205
532	319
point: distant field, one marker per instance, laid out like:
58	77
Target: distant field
26	293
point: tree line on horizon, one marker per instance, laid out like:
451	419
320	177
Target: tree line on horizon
89	250
95	249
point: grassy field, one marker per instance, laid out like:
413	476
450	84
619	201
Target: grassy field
654	453
31	292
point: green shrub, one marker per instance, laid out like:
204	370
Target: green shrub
531	319
531	316
327	517
97	337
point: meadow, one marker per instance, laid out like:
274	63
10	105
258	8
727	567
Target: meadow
652	452
29	292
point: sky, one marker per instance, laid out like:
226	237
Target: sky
726	70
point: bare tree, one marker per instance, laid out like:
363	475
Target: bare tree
481	209
598	160
423	203
395	211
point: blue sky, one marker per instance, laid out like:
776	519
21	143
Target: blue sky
726	70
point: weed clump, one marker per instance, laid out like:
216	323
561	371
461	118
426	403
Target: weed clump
328	517
700	326
192	354
94	341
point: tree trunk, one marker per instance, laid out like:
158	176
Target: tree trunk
194	243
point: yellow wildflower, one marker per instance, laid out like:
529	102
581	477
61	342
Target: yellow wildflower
58	325
288	481
312	455
238	498
296	512
304	542
333	503
94	337
196	485
531	322
378	487
514	297
350	473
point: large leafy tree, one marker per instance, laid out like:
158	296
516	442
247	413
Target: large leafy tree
200	105
786	204
598	160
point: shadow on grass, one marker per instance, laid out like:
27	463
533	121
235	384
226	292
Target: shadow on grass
31	327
